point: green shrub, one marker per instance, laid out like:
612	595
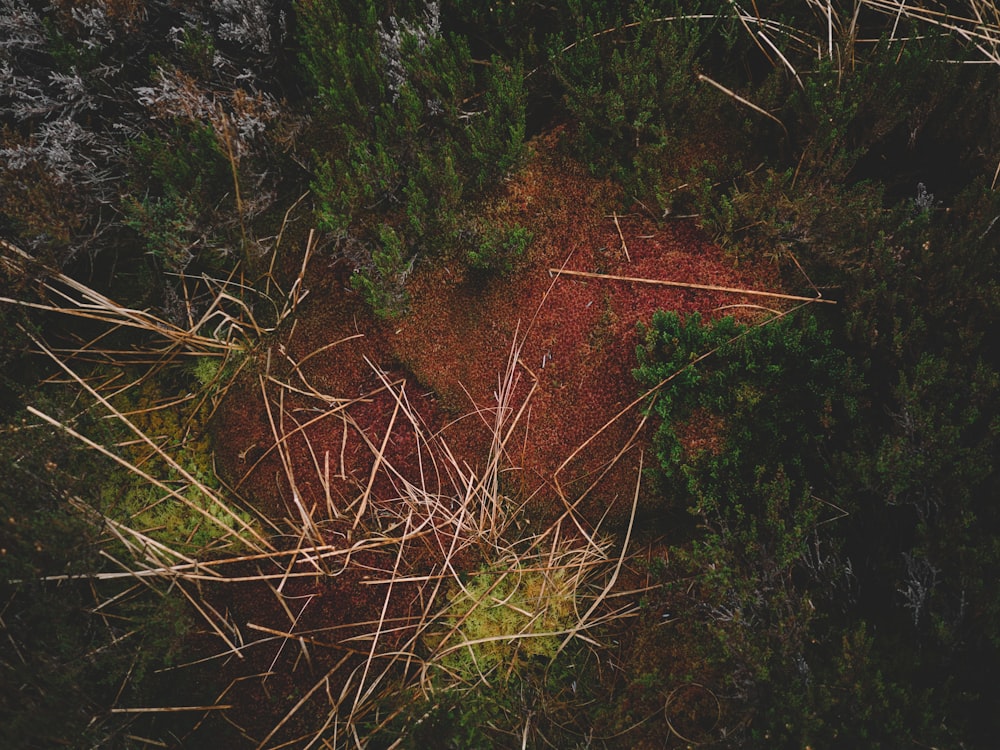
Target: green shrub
628	79
496	136
412	128
382	282
778	387
743	439
499	248
179	175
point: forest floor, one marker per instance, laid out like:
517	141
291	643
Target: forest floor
574	338
340	396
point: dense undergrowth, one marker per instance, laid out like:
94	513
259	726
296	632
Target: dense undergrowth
822	568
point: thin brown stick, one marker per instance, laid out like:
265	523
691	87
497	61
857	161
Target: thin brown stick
302	701
225	132
169	709
624	246
741	100
146	741
363	694
763	22
687	285
284	453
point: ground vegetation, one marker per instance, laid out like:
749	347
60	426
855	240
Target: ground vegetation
466	374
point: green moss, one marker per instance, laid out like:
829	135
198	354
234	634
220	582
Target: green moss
190	522
501	619
206	369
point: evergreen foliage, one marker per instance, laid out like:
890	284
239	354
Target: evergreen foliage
909	448
629	80
746	423
498	249
413	127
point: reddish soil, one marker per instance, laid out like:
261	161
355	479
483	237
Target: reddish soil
322	386
576	339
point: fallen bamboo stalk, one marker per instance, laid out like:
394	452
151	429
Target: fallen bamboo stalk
687	285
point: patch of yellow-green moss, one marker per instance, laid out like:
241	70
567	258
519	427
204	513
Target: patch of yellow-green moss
500	619
198	518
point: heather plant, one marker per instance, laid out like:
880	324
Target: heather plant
920	318
495	143
629	79
411	124
382	282
618	107
744	428
173	217
743	434
778	216
499	248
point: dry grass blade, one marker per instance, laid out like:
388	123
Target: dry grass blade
169	709
744	18
79	300
621	559
741	100
277	430
981	30
781	56
688	285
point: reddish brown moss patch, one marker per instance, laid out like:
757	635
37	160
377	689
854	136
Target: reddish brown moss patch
577	336
322	404
576	339
701	432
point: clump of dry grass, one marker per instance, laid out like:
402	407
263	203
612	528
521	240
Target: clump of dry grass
529	594
549	587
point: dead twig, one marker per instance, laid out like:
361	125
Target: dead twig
687	285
